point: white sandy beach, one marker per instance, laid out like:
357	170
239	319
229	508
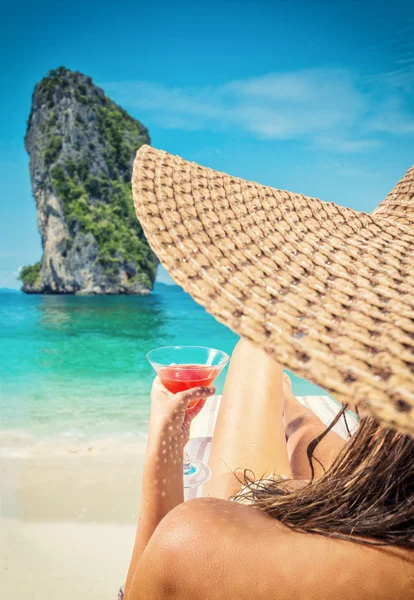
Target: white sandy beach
68	523
63	560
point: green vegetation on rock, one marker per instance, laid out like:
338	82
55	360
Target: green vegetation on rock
52	149
30	275
111	221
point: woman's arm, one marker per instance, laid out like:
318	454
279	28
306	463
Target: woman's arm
162	490
162	481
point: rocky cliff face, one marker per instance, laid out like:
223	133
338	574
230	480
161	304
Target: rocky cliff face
81	147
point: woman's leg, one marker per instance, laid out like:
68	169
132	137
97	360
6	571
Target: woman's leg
301	427
249	432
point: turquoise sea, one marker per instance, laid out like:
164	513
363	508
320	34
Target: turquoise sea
74	368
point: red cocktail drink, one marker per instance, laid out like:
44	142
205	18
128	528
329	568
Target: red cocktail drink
177	378
182	368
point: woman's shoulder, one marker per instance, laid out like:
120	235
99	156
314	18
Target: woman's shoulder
215	545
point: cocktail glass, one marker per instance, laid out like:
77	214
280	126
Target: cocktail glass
182	368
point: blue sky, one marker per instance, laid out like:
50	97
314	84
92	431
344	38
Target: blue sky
311	96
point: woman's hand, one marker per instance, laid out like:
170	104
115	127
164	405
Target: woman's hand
170	416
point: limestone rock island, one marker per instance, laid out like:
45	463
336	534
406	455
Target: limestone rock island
81	147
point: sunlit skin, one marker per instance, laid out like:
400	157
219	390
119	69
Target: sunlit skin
212	548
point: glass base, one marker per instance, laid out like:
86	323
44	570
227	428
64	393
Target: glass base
196	474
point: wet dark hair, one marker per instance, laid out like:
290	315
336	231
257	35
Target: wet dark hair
366	496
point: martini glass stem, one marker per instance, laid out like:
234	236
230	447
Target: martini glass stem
189	468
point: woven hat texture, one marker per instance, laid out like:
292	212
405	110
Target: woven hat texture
327	290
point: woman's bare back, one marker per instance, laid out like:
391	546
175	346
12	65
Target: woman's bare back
213	549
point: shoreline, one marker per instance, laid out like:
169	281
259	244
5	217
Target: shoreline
20	443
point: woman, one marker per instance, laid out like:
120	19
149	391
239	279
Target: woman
328	293
362	507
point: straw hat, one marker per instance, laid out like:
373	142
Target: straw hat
327	290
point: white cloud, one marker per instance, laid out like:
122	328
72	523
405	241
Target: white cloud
403	61
347	146
330	108
392	96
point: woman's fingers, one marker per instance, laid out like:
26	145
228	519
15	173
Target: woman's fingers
194	410
183	399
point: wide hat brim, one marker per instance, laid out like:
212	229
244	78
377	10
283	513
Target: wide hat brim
327	290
